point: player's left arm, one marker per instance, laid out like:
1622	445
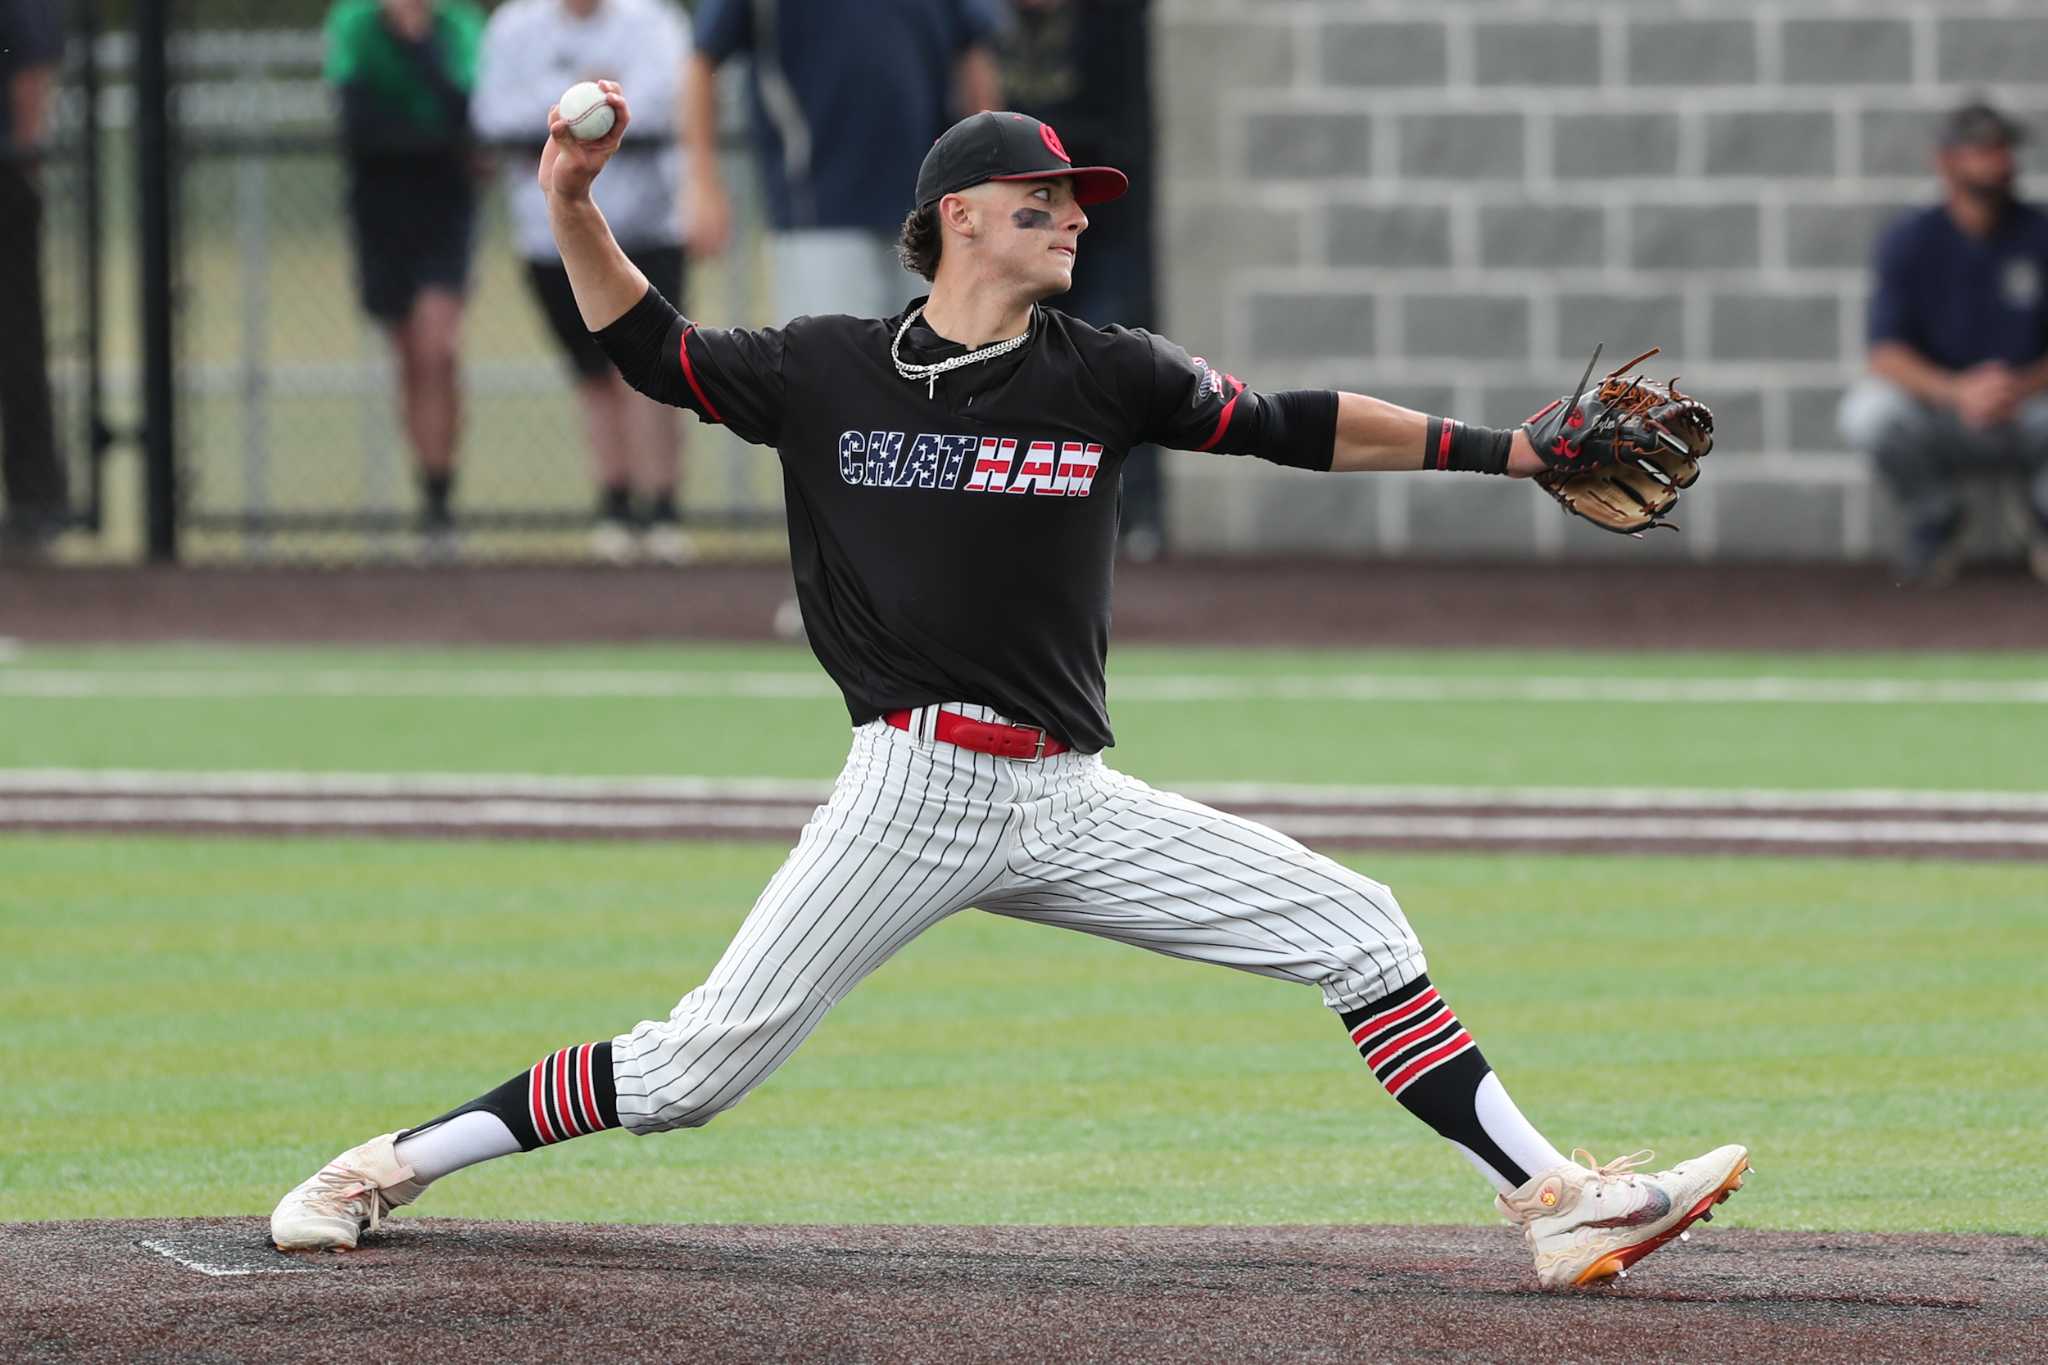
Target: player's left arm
1196	406
1375	434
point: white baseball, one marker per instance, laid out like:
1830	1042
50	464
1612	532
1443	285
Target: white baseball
584	109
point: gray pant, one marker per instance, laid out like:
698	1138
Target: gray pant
1922	451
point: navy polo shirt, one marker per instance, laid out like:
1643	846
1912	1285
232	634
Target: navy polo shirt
1959	300
847	97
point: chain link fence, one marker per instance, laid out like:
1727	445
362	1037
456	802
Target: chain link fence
292	426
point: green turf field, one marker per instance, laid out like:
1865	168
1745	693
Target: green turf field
190	1025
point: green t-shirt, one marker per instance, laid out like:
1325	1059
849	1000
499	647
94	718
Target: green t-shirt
362	51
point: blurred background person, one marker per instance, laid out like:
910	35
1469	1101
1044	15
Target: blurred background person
846	100
1085	67
1958	333
533	50
404	70
31	44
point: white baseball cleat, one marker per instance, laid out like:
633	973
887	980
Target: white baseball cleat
1589	1223
345	1198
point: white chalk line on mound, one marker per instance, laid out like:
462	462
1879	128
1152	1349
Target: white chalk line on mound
169	1252
206	684
683	787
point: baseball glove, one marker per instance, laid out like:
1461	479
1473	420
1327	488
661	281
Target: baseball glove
1620	452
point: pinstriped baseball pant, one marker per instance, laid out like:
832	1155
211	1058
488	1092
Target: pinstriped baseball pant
917	829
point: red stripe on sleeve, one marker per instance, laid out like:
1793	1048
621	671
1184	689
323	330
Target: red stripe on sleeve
539	1110
1223	420
1443	445
690	373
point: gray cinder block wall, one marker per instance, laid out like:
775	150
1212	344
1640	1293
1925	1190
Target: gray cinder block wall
1448	202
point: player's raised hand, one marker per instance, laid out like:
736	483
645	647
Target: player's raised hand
568	164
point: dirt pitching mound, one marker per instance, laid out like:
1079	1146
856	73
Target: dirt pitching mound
443	1289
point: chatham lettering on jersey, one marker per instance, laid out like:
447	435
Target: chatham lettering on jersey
972	464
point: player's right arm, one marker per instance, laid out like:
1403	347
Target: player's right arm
733	378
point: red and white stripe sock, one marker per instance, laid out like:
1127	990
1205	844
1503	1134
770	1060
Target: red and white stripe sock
563	1095
1427	1060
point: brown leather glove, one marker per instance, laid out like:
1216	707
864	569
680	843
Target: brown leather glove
1620	452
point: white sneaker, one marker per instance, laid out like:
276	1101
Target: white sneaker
1589	1223
669	544
612	541
347	1197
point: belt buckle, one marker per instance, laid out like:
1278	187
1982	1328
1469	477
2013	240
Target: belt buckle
1039	752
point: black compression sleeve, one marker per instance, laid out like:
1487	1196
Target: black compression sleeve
1295	426
637	344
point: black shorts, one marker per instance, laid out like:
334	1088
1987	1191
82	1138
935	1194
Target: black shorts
663	267
413	228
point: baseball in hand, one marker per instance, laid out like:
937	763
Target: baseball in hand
584	108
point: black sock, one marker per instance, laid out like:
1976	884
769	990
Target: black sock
437	489
615	503
1427	1061
565	1094
662	509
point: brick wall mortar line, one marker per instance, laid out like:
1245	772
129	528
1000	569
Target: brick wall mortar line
1768	33
1772	231
1692	145
1459	59
1923	30
1464	217
1695	324
1848	141
1537	126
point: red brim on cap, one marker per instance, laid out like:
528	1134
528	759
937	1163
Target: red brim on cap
1092	184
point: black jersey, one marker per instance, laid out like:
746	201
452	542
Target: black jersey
954	542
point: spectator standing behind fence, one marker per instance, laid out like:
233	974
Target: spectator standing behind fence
404	70
1958	332
533	50
31	42
847	99
1085	67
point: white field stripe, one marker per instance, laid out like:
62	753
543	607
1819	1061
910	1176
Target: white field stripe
485	815
162	684
286	783
1649	830
164	1249
1233	794
413	814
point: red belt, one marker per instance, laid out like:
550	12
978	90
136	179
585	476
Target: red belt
987	737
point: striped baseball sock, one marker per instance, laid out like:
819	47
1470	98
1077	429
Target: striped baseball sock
563	1095
1428	1061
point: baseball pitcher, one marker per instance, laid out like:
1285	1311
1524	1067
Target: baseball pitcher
951	478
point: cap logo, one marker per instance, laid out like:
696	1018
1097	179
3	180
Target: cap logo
1052	141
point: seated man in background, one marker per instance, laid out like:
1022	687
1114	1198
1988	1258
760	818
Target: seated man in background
1959	347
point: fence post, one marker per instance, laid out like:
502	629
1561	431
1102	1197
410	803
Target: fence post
154	191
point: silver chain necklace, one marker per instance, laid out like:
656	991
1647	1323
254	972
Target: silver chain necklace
930	373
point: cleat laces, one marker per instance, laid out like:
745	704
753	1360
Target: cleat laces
1621	1168
346	1193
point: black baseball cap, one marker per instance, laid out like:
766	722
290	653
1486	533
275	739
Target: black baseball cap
1007	146
1980	124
